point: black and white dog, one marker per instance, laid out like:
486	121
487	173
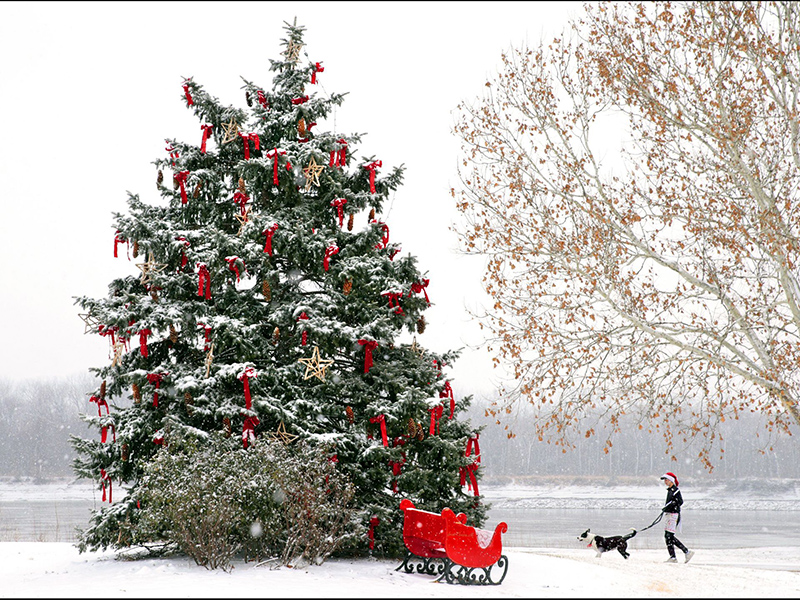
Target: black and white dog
604	544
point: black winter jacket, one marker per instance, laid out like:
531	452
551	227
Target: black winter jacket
674	500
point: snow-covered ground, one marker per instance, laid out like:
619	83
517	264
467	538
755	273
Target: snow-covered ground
31	569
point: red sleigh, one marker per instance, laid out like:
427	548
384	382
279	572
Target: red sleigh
445	545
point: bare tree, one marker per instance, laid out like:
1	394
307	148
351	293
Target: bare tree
634	187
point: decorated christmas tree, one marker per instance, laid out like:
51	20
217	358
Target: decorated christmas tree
270	305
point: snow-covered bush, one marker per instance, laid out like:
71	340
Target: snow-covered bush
270	500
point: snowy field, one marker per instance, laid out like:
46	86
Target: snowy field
31	569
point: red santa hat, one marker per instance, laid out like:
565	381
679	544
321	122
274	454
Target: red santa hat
671	477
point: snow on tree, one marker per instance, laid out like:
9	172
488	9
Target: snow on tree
270	303
634	186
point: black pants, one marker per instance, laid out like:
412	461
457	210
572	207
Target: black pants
672	541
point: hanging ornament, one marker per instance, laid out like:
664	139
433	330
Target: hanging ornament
188	403
281	435
105	477
244	377
371	215
241	186
394	301
159	179
417	349
276	335
209	359
339	157
119	350
318	68
148	268
206	132
292	52
248	99
232	265
420	286
329	252
118	239
173	334
226	422
350	415
91	323
274	154
301	128
197	189
350	222
204	281
373	525
143	333
303	317
186	93
185	245
447	392
173	154
412	428
381	419
137	394
103	390
262	99
249	430
421	325
315	366
231	132
247	138
312	172
338	204
156	379
385	237
154	294
369	346
269	232
436	414
371	168
299	100
266	290
206	336
347	287
242	200
125	453
135	248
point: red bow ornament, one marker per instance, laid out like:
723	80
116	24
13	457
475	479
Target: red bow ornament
436	414
371	168
299	100
181	178
339	157
373	524
204	281
143	333
189	100
244	377
338	204
185	245
206	132
249	430
156	379
385	237
241	199
381	419
261	98
207	337
303	317
329	252
173	154
394	301
419	286
100	402
105	477
318	68
273	154
119	240
247	138
369	346
231	260
447	392
269	232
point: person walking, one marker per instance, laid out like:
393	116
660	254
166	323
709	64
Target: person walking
672	512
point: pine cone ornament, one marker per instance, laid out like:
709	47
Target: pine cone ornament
125	452
420	432
372	214
159	179
421	325
103	390
154	295
188	401
276	335
173	335
412	428
227	423
347	287
350	416
301	128
175	184
242	187
197	189
266	290
248	99
350	222
137	394
135	248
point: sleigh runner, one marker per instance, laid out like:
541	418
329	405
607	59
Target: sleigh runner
444	545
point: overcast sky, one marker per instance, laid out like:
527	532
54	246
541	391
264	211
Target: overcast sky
89	91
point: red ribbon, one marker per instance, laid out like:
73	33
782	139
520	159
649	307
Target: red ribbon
181	177
369	346
186	244
436	414
338	204
469	471
318	68
207	330
103	478
119	240
329	252
382	420
303	316
269	232
338	157
261	98
100	402
394	297
189	100
371	168
159	439
249	431
299	100
397	466
273	154
204	281
474	446
155	378
241	199
447	392
143	333
232	266
206	132
244	377
419	286
247	138
173	154
385	237
104	433
373	523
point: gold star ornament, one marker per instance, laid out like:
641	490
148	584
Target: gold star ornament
148	268
315	366
231	130
293	51
281	435
312	172
92	324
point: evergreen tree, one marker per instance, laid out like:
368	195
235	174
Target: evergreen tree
270	299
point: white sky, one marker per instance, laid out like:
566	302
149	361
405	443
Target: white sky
89	91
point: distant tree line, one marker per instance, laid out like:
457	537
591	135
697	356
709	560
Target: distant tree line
38	416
